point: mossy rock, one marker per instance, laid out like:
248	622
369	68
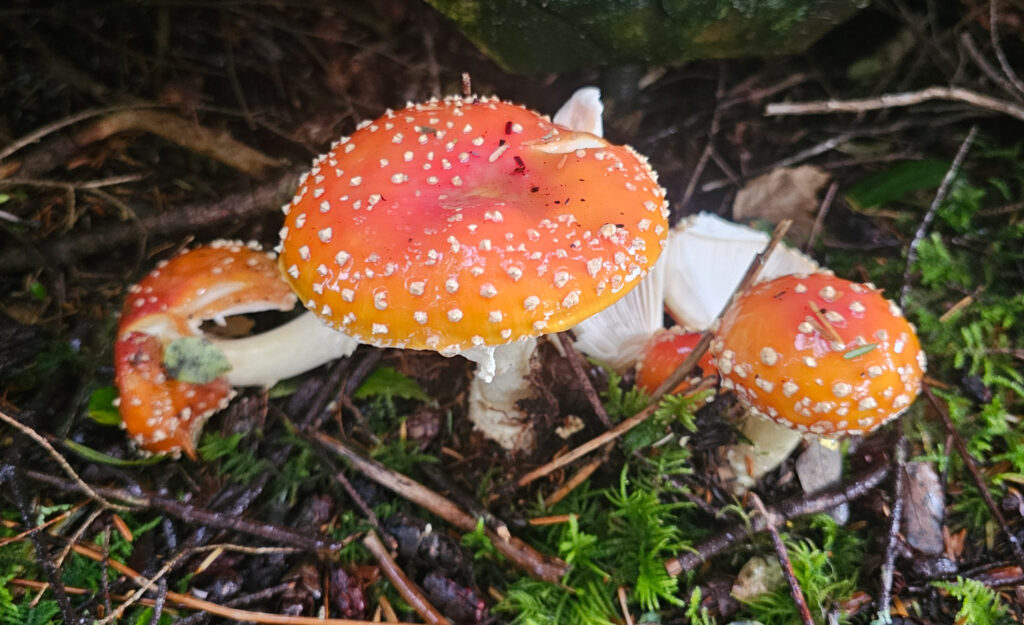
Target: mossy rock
529	36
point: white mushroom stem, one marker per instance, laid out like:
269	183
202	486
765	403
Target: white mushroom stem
502	377
300	345
707	257
501	381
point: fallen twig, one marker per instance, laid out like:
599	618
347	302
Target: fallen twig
893	100
541	566
307	540
45	444
933	209
576	362
266	198
979	480
895	519
187	601
787	566
412	593
778	514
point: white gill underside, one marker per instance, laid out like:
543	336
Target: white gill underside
707	257
618	334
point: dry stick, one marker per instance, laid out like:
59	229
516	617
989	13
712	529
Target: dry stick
799	157
187	601
979	480
819	220
933	209
576	361
43	131
187	134
677	377
778	514
893	100
311	541
578	478
538	565
787	566
896	518
405	587
967	43
265	198
45	444
993	29
464	499
709	147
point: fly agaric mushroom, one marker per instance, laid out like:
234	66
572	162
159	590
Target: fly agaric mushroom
165	414
665	350
818	354
466	225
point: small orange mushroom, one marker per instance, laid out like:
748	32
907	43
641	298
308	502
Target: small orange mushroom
819	354
165	415
664	352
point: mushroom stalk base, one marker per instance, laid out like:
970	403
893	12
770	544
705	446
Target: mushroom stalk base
492	404
767	445
302	344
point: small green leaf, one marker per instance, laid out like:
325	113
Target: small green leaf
38	291
859	351
101	407
388	383
895	183
96	456
195	360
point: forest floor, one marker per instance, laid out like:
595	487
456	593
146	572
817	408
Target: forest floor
131	131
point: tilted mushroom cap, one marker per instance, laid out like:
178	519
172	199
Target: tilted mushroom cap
468	222
225	278
663	353
819	354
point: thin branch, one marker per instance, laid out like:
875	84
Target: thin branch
576	362
787	566
1004	63
893	100
307	540
933	209
234	614
68	250
541	566
787	510
412	593
895	518
41	132
976	475
64	464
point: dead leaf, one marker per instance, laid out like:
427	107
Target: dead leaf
785	193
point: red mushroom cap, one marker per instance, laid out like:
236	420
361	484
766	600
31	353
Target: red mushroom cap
162	414
664	352
469	222
819	354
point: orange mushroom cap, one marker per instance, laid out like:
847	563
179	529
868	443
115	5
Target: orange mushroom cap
162	414
664	352
468	222
819	354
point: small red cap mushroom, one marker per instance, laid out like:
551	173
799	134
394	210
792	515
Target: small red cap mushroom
819	354
469	222
162	414
664	352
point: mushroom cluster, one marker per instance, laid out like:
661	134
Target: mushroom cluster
465	225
